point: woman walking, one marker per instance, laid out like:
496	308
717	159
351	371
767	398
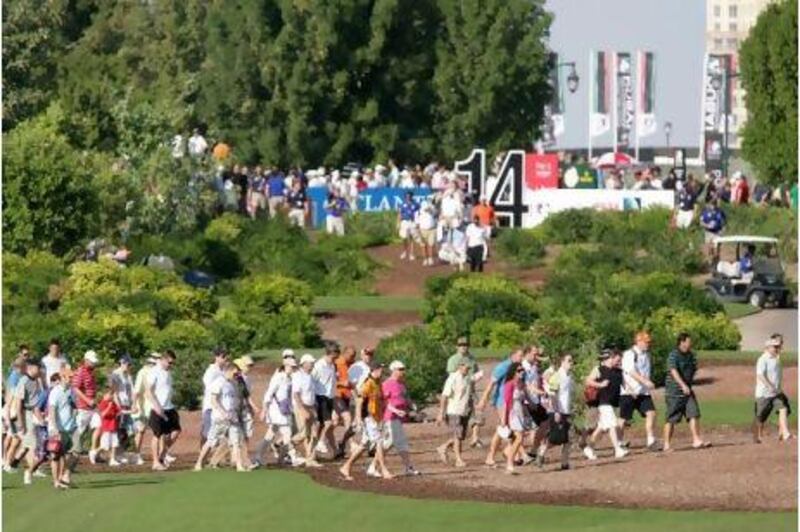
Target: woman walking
516	414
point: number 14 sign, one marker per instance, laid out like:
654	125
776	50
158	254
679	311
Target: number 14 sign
520	174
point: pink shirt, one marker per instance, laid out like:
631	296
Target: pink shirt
394	394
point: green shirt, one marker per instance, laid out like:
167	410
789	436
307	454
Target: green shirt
686	365
454	361
793	195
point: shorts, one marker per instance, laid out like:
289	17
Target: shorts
628	404
126	424
428	236
537	413
408	229
324	408
223	429
458	425
297	217
140	422
764	406
305	426
334	225
161	426
607	418
283	433
258	200
275	203
395	436
12	428
95	421
370	432
341	405
109	440
590	418
205	425
247	425
709	236
84	420
32	438
681	406
684	219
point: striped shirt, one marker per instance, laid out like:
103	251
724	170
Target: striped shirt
84	381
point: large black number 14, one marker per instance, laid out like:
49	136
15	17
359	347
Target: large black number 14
506	196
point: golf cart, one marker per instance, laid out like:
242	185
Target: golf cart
747	269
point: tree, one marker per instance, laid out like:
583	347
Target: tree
48	199
491	76
768	62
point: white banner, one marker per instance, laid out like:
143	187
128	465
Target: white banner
542	202
626	110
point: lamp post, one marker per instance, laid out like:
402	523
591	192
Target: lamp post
723	81
667	132
572	78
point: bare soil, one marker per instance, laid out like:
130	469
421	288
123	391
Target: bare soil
364	329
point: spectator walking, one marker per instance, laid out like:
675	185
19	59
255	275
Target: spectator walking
495	391
109	412
297	201
680	398
477	238
560	386
29	414
164	420
515	414
608	380
141	406
359	371
463	355
212	373
276	190
343	401
122	386
12	439
53	360
60	425
686	200
395	398
426	224
84	389
637	385
225	422
713	221
277	408
457	404
407	228
256	194
324	378
304	400
769	391
335	208
197	144
248	410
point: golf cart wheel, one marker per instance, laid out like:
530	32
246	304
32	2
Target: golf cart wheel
757	298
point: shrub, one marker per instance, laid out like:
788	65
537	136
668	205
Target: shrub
271	293
185	302
425	358
192	344
435	289
370	229
480	332
507	334
27	281
231	330
111	332
226	229
571	226
292	326
523	247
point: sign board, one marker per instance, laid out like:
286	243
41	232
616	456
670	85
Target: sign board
579	176
541	171
545	202
369	200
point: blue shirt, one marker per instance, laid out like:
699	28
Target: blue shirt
408	210
336	208
13	378
686	200
257	183
713	221
276	186
746	264
498	378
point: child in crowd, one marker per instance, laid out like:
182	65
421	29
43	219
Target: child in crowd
109	425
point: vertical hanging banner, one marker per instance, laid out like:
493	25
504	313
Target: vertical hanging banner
645	98
713	110
599	117
553	123
625	103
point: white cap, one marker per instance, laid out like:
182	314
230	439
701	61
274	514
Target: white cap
91	356
773	342
737	175
396	365
287	353
306	359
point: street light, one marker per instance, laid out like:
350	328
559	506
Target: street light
667	132
572	78
722	81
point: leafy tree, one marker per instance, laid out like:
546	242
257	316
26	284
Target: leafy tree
48	199
768	60
491	74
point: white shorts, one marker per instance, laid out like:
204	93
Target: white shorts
223	428
370	432
395	436
85	419
247	425
606	417
334	225
297	217
684	219
408	230
109	440
206	423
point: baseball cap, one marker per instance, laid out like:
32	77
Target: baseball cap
375	365
126	359
462	340
396	365
243	362
154	357
287	353
774	341
90	355
306	359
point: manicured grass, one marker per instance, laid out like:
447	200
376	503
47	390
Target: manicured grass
733	412
217	501
367	303
739	310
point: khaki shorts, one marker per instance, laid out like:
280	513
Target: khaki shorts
305	426
258	200
607	418
428	236
408	230
224	428
297	217
395	436
275	203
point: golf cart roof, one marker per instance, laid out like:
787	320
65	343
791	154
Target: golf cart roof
736	239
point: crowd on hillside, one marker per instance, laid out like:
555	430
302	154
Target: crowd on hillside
50	408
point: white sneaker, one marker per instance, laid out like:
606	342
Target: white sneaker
411	257
372	472
411	472
123	460
27	479
298	462
403	255
137	460
93	457
620	453
114	463
39	474
588	452
8	469
321	448
168	458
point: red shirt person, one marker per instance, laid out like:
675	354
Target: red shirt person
84	388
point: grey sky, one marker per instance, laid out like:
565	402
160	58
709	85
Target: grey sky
673	29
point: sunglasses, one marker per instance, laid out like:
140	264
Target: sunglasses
463	345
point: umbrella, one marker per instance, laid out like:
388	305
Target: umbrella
615	160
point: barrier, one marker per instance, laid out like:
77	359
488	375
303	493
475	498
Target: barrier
368	200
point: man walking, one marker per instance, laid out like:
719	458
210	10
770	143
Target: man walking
713	221
141	405
456	401
495	390
61	423
681	400
304	401
608	378
53	360
84	390
769	391
635	395
164	420
464	356
277	408
122	385
212	373
407	228
343	401
395	398
225	398
324	378
29	416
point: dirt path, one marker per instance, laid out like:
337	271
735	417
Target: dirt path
756	328
364	328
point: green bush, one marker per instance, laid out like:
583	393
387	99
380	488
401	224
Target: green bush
227	228
271	293
192	344
523	247
506	334
27	281
185	302
110	332
370	229
480	332
755	220
435	288
425	358
572	226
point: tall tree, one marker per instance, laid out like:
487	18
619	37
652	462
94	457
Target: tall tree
491	75
768	62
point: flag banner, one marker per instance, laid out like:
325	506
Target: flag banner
645	108
626	111
553	122
714	98
599	117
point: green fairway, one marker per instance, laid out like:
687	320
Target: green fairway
217	501
367	303
739	310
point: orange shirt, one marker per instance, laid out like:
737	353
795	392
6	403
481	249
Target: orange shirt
221	151
343	390
372	399
485	213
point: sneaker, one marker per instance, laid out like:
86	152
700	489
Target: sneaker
477	444
197	467
298	462
27	479
8	469
403	255
588	452
137	460
625	444
653	446
93	457
312	463
114	463
411	472
159	467
38	473
276	450
321	448
123	460
411	257
620	453
564	467
168	458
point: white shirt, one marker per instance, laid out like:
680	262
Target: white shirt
562	402
357	374
439	180
303	385
197	145
123	384
177	146
451	205
425	218
638	361
277	399
212	374
161	379
770	367
227	396
324	376
476	235
457	389
52	365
